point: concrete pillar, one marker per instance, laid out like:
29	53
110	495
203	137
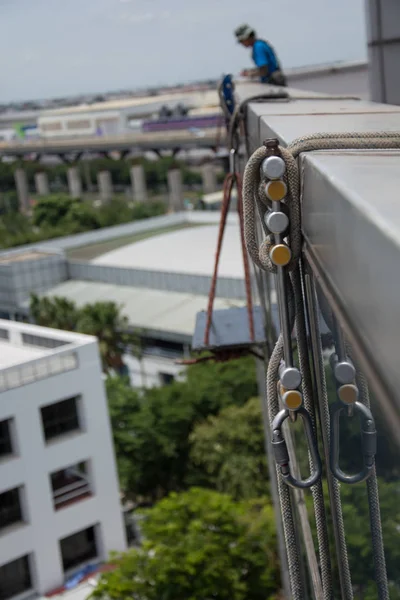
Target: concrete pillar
105	185
209	179
138	180
383	31
175	190
42	184
74	182
21	183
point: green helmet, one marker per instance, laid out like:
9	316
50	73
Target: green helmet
244	32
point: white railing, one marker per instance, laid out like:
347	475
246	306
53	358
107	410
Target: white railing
37	369
71	491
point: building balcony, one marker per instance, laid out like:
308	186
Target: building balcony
70	485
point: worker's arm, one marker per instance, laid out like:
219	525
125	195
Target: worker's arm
261	72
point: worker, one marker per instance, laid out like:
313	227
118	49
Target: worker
268	68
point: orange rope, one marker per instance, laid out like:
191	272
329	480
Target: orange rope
230	180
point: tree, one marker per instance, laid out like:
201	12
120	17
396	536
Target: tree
198	545
105	321
358	534
58	313
81	217
228	451
50	211
154	452
101	319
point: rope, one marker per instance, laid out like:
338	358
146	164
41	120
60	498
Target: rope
230	180
253	194
289	529
378	549
316	490
372	482
333	484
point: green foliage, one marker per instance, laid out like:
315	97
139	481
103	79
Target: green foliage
153	452
50	211
228	451
358	535
81	217
59	215
58	313
145	210
101	319
199	544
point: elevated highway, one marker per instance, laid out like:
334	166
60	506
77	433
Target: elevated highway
167	140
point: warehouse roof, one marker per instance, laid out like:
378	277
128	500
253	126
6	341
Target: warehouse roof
170	313
185	251
206	98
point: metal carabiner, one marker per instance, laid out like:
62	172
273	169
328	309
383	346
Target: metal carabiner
368	438
281	453
232	160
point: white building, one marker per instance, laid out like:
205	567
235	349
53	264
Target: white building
116	116
59	497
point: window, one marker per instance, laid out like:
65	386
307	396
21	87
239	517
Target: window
55	126
15	578
70	485
10	508
78	548
5	438
166	378
60	418
4	334
106	121
165	348
78	124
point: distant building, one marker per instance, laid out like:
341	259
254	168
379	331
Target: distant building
59	498
161	282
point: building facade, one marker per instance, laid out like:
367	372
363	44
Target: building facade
59	497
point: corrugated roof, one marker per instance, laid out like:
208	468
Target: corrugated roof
153	310
207	98
189	251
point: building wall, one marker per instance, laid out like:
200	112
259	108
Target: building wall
149	372
36	460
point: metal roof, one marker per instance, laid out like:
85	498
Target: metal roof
189	251
205	98
160	312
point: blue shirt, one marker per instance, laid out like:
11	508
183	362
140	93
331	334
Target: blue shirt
264	56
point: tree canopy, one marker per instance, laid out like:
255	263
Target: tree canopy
101	319
152	431
228	451
199	544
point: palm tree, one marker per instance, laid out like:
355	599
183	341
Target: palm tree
58	313
105	321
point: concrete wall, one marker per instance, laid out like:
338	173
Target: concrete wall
148	372
18	279
227	287
383	30
40	536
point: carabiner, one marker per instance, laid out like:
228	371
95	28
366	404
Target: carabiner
368	438
282	455
232	160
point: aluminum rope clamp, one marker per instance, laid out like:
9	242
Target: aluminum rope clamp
281	453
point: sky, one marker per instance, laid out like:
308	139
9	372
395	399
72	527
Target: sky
54	48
